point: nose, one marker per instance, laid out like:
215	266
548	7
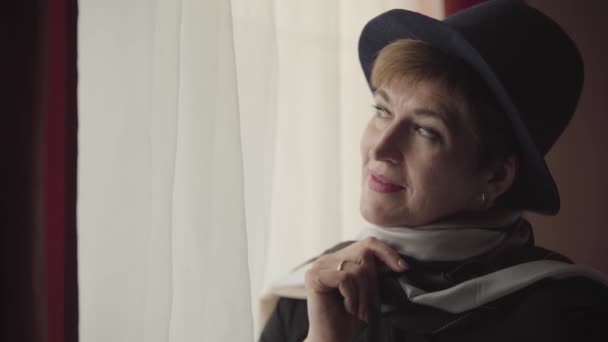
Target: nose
387	147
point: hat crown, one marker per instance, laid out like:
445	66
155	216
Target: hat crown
537	63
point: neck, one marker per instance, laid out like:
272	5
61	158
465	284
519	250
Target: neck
454	239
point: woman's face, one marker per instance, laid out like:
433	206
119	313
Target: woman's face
418	157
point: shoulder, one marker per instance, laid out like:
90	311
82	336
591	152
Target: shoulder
559	310
569	297
568	309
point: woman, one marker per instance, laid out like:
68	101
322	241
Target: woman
465	109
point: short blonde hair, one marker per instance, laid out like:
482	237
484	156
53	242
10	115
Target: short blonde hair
414	61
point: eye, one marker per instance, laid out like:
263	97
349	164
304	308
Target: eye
427	133
381	112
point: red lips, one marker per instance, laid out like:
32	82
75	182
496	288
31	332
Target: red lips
380	183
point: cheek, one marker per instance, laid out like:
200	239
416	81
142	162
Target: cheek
447	182
366	144
424	166
432	174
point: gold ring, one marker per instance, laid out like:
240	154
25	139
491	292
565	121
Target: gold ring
341	264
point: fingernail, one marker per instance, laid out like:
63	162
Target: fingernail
401	264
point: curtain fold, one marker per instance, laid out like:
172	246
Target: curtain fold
256	51
161	213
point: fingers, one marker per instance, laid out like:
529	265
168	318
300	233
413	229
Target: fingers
359	288
373	285
386	254
356	280
364	281
324	275
348	290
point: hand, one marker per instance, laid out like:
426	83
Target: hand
339	301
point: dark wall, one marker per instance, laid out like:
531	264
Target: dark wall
22	290
579	160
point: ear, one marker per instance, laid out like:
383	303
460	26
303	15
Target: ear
499	177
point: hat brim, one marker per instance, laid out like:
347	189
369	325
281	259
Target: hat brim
535	186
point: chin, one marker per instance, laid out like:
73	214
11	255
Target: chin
387	217
379	217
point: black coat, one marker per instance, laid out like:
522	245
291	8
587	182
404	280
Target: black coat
570	309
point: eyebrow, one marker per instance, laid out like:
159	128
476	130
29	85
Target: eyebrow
431	113
383	94
418	111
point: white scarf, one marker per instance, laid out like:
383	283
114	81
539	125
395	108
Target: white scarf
448	241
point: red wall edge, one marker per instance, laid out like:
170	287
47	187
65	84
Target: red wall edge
453	6
54	168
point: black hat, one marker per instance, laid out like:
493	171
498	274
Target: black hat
528	62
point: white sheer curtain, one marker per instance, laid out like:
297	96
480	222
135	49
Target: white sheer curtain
218	148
